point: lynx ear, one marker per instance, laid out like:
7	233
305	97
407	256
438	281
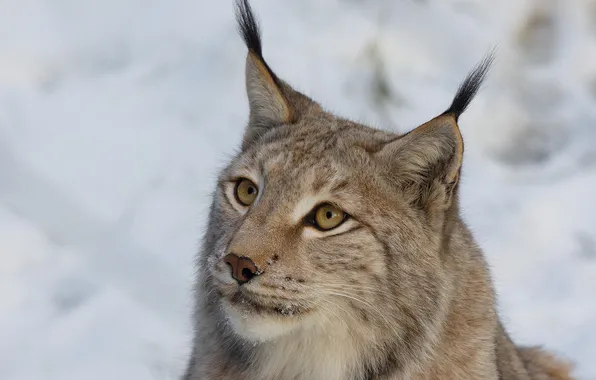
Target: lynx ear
429	158
267	94
268	105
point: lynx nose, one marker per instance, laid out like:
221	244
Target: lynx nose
243	268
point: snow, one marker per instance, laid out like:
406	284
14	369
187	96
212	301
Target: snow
116	115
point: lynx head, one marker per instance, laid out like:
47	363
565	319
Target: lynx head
320	222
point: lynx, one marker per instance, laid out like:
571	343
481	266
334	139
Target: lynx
336	251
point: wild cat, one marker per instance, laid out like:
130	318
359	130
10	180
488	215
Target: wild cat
335	251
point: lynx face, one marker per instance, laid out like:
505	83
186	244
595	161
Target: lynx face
322	222
319	230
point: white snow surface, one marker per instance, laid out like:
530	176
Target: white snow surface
116	115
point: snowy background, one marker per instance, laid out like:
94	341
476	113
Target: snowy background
116	114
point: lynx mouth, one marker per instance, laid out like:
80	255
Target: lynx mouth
251	304
258	317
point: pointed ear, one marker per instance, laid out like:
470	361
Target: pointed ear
267	94
268	105
426	162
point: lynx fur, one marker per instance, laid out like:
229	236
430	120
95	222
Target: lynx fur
397	290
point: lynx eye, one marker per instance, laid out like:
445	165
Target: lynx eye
327	217
245	191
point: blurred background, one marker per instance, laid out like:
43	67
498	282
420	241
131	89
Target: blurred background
115	117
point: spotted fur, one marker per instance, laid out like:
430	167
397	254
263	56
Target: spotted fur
399	290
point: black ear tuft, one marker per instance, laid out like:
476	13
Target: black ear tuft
248	27
469	87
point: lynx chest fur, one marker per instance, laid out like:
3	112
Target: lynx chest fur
336	251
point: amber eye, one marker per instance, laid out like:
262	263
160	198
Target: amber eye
327	217
245	191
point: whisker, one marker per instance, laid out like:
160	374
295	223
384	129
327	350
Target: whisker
360	300
364	289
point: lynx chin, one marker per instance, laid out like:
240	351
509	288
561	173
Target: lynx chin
335	251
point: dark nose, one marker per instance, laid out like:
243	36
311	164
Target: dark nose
243	268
